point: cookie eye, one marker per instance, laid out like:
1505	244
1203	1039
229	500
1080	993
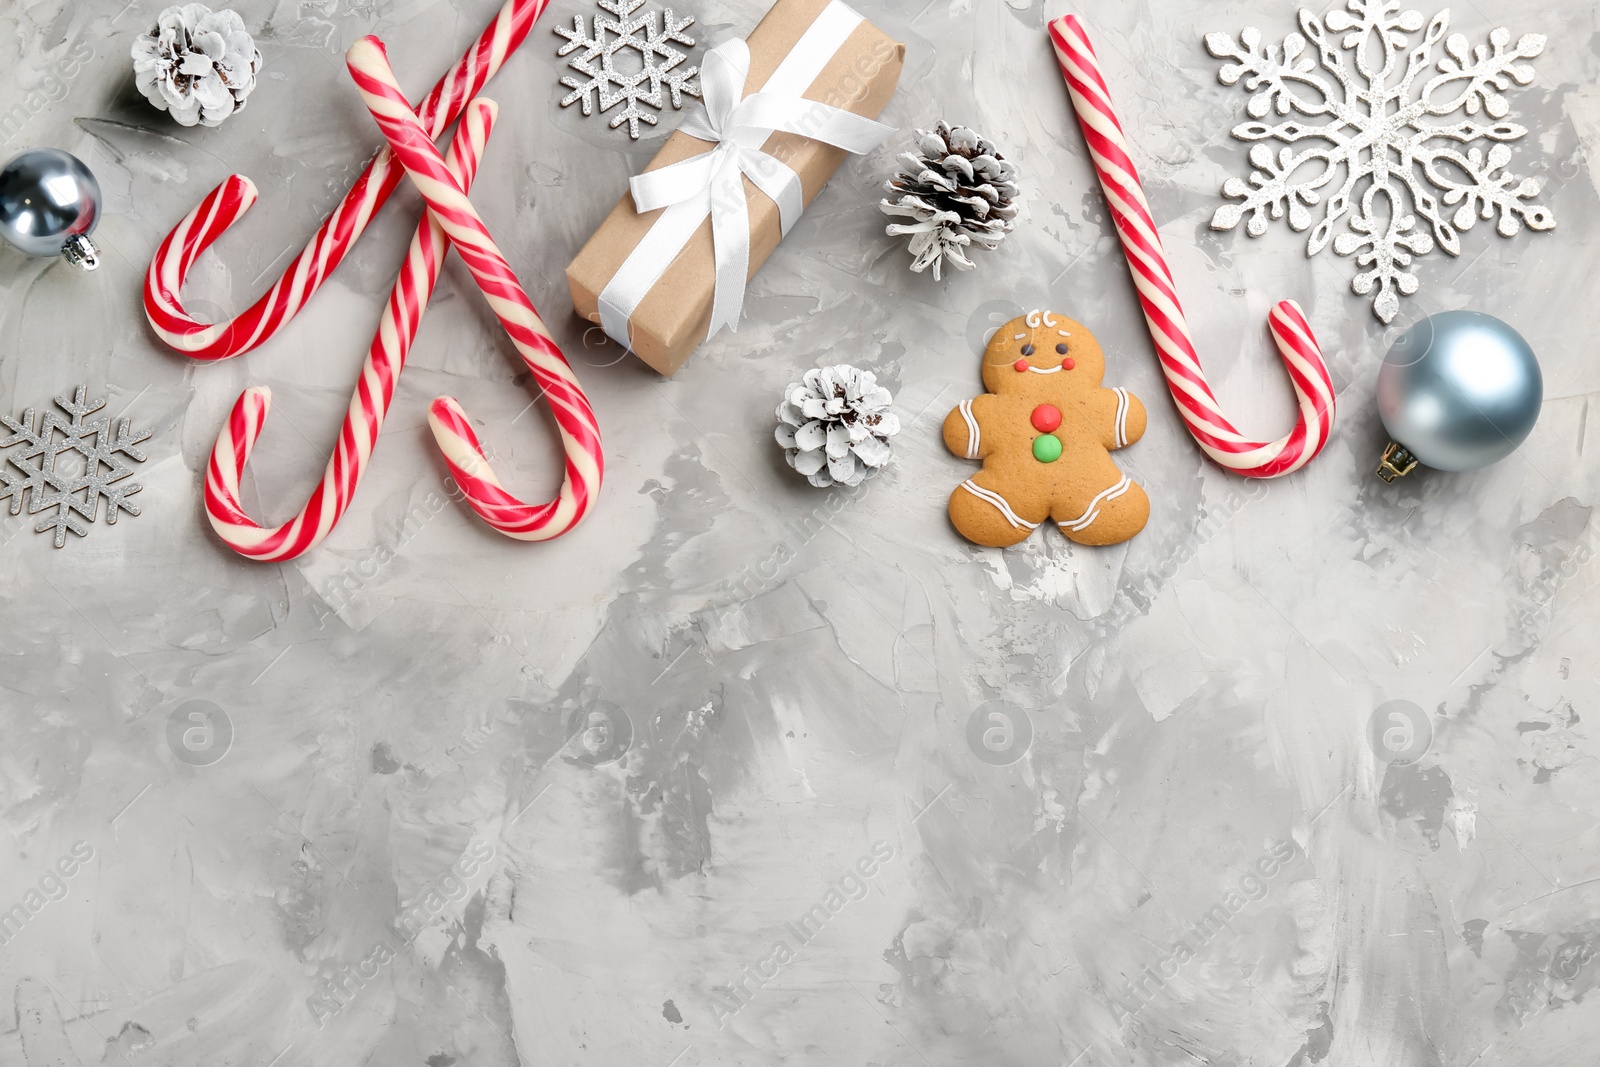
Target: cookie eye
1027	350
1061	350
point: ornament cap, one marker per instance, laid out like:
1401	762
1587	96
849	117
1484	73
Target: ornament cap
1397	462
81	252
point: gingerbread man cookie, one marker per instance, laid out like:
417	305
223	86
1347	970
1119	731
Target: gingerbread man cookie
1045	431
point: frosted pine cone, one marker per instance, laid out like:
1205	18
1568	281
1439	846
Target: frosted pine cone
197	63
836	424
958	190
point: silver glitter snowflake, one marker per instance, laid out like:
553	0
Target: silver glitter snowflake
1377	127
73	487
655	64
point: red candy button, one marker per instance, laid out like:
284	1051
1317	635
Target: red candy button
1020	366
1046	417
1068	364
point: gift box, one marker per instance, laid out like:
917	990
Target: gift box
782	109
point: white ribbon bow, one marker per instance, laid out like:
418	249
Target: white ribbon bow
712	183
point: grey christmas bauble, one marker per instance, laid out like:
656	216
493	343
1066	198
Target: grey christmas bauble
49	205
1458	391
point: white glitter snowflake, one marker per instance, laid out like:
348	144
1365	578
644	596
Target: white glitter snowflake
74	488
651	42
1374	126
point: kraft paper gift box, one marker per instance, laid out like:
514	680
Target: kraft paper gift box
816	51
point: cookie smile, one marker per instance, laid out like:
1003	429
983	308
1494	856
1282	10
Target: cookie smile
1035	321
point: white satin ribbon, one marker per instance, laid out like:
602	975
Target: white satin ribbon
712	183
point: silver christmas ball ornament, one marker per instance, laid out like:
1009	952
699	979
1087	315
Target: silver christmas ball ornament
1458	391
49	205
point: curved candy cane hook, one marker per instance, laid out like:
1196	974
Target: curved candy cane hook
448	202
1141	244
386	358
227	203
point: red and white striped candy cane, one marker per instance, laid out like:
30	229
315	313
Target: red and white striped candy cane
370	403
227	203
1141	243
448	202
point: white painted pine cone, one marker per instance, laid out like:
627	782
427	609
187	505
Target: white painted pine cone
958	191
198	64
835	425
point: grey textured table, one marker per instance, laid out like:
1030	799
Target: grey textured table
402	858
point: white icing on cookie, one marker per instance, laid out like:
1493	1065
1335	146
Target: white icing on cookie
989	496
1087	519
965	407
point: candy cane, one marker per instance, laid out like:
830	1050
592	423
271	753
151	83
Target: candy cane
368	406
227	203
447	201
1141	244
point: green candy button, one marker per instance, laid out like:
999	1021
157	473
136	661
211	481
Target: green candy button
1047	449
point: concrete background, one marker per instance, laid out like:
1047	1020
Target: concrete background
388	850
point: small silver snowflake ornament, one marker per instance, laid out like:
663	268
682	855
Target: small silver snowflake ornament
659	64
1369	126
70	491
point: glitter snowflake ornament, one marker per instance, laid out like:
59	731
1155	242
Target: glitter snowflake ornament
1373	121
67	466
612	77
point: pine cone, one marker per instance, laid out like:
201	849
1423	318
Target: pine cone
197	63
836	425
959	191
